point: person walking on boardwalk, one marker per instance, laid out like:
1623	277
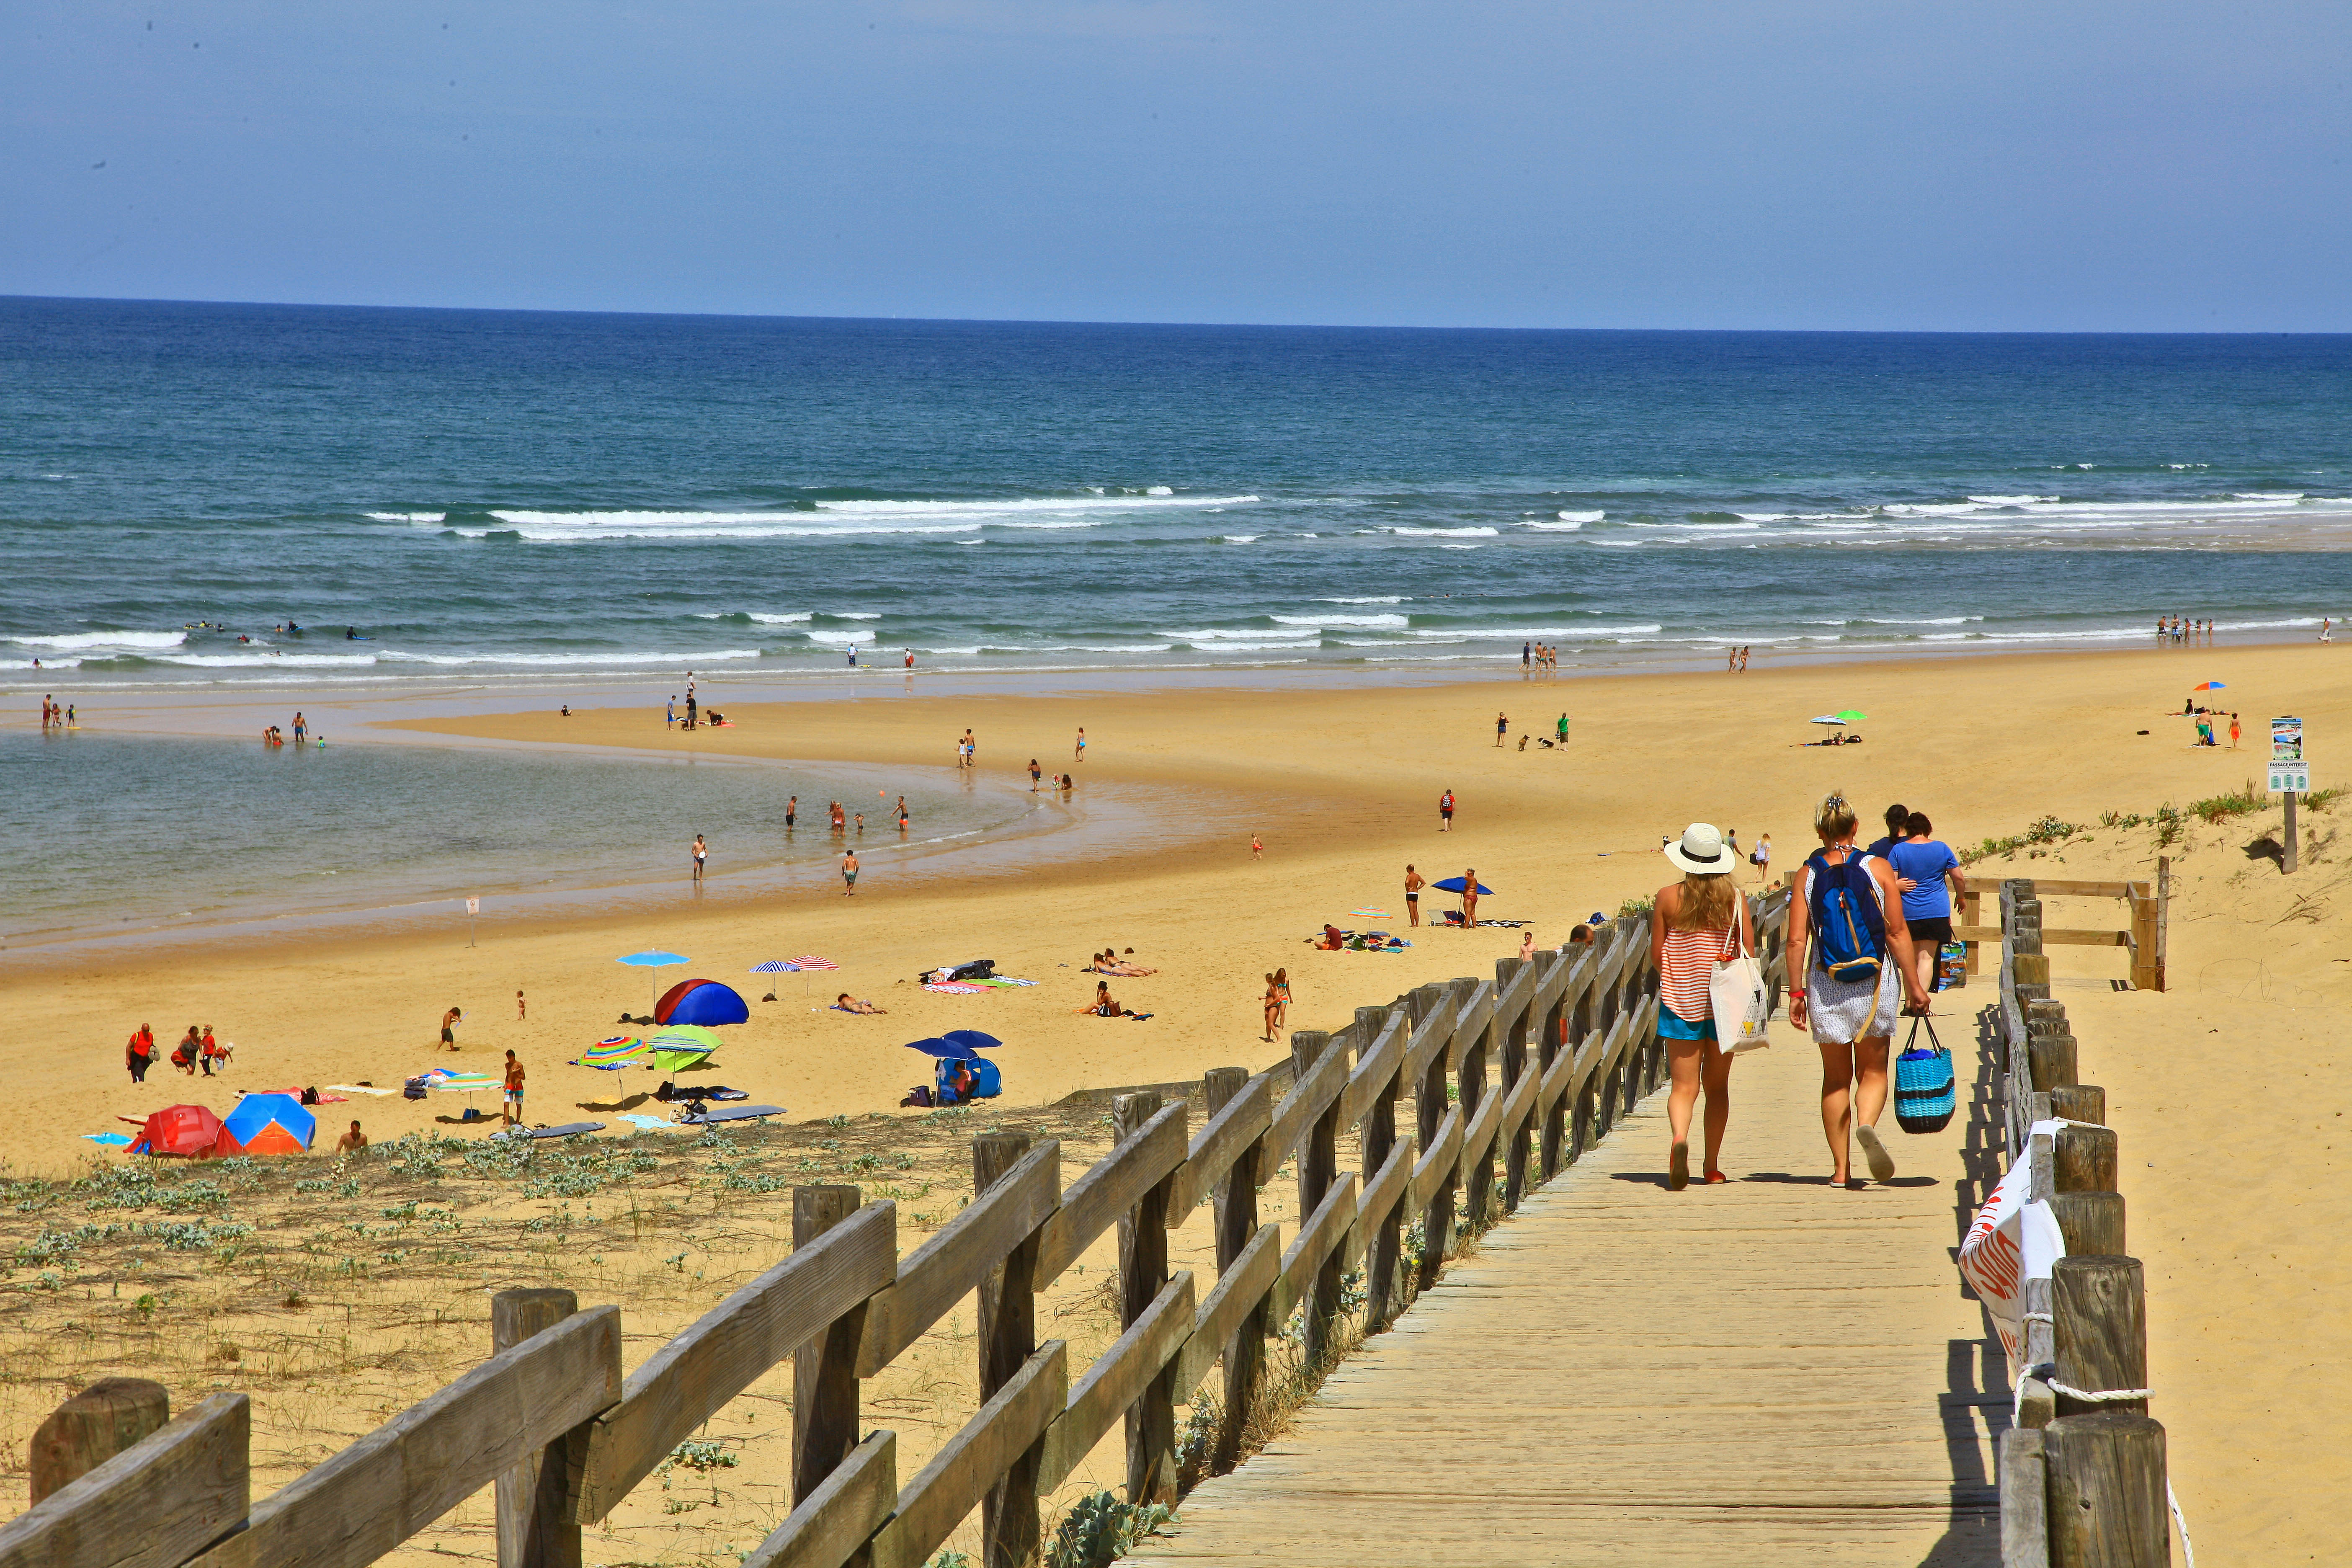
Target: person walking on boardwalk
1694	924
1846	924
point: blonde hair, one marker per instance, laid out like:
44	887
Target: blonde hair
1706	902
1833	819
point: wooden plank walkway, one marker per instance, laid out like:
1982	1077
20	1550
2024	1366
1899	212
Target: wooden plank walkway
1765	1372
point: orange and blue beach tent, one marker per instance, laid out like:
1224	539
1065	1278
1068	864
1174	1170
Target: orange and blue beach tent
268	1124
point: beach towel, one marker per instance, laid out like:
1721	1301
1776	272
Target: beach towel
113	1139
357	1089
957	988
634	1120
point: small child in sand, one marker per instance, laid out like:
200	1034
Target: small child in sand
520	1014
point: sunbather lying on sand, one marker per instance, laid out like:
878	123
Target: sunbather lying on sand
846	1002
1105	963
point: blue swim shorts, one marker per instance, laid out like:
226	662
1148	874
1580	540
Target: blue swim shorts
1673	1026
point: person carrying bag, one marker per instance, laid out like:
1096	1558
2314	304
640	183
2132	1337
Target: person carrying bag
1736	991
1694	925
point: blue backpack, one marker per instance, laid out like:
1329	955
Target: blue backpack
1851	932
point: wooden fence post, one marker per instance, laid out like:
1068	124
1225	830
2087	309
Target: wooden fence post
2100	1321
1318	1168
1972	913
1581	1007
2106	1491
534	1500
824	1370
1237	1214
1377	1135
1142	1270
1470	1089
1607	1002
94	1426
1513	1034
2086	1160
1429	1105
2079	1102
2092	1222
2163	913
1010	1530
1551	1028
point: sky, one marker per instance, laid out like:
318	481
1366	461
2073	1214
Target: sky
2157	165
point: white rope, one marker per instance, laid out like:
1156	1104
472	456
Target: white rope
2180	1523
2098	1397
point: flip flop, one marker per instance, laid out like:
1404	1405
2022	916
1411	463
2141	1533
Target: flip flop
1715	1176
1678	1167
1882	1163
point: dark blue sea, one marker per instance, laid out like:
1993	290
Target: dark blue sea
536	498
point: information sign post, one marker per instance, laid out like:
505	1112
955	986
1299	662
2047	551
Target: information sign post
2291	777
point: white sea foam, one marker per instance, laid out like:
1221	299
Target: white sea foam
1461	547
831	519
1338	620
1552	527
1582	516
2011	501
262	660
1516	633
1450	532
418	517
1372	599
1235	538
45	663
792	618
116	642
841	639
852	614
2269	495
564	660
1160	490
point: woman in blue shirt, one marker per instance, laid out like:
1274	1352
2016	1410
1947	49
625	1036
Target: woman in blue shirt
1928	873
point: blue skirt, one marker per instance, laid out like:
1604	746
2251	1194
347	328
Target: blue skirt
1673	1026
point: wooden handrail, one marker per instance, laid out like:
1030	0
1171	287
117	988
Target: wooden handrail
951	1486
1116	1380
688	1380
154	1505
1094	1202
949	1265
1230	1132
431	1457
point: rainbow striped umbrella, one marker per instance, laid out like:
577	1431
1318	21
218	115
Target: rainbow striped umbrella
612	1055
465	1083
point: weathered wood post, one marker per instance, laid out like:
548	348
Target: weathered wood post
94	1426
534	1500
824	1370
1551	1028
1236	1218
1608	999
2106	1491
2100	1324
1972	913
1318	1168
2092	1222
1580	1005
2163	913
1511	1030
2293	839
1011	1532
2079	1102
1429	1107
1142	1270
2086	1160
1377	1136
1470	1052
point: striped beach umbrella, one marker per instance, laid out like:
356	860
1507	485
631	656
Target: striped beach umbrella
810	960
612	1055
774	966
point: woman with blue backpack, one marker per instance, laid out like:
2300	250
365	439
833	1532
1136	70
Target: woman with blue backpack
1846	927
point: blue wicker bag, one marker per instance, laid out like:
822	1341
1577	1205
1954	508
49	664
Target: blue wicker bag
1924	1093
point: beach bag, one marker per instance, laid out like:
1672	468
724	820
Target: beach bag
1952	966
1736	995
1924	1093
1851	929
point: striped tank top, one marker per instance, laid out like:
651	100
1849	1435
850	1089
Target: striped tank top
1686	967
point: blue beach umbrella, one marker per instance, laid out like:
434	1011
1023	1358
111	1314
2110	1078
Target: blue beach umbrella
652	958
946	1050
976	1039
1453	885
774	966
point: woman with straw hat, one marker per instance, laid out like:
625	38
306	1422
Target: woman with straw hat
1694	924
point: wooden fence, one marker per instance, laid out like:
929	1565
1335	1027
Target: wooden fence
2144	935
1524	1071
2083	1477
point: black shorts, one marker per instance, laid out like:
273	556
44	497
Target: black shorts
1412	898
1936	929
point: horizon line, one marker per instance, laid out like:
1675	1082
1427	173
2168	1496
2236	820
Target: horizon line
7	299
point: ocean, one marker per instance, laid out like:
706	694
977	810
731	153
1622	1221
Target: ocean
534	499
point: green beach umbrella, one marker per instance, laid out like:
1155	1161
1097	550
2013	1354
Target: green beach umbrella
682	1045
1851	717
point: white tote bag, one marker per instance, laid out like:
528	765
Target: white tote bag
1736	991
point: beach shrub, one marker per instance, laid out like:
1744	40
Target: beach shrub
2047	831
1099	1530
2219	808
1640	906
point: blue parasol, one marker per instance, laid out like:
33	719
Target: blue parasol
774	966
1453	885
948	1050
653	958
976	1039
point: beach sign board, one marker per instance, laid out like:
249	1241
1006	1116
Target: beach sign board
2289	773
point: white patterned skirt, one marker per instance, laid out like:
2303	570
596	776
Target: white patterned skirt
1841	1012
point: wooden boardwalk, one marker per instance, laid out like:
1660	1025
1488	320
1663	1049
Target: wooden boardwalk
1765	1372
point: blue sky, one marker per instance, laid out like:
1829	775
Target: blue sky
2147	166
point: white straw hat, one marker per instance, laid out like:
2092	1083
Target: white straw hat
1701	851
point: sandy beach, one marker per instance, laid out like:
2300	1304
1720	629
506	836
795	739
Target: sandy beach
1342	786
